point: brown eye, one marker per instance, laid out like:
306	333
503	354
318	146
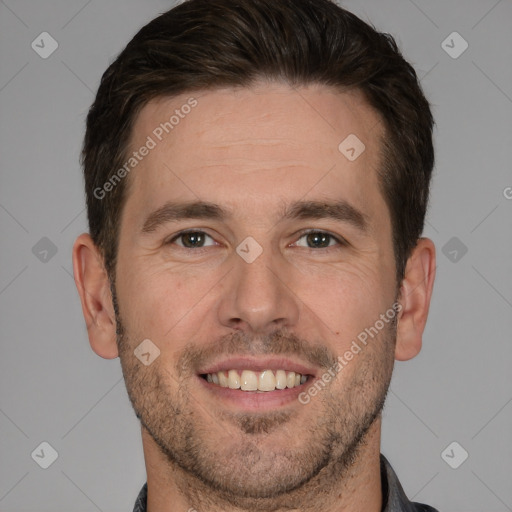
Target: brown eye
319	240
191	239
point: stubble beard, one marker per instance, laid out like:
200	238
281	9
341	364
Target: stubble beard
227	454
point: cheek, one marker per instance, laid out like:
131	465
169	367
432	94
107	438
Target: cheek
345	300
165	305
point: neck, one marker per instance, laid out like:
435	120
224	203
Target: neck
170	489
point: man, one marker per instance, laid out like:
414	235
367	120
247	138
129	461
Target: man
257	175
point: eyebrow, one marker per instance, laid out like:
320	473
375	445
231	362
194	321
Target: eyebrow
339	210
173	211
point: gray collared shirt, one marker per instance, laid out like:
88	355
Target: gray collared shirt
393	496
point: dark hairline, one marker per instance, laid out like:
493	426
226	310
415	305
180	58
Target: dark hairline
371	64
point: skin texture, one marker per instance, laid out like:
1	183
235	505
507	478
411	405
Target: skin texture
253	151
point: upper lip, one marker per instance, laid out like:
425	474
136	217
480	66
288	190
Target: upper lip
258	364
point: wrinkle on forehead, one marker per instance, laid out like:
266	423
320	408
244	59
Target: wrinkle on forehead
270	122
244	144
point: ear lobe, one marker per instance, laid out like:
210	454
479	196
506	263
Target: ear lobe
415	294
93	286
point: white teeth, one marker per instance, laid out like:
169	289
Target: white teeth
233	379
280	379
247	380
267	381
223	379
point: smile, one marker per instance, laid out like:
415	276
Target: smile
248	380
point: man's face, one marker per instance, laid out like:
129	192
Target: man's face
291	298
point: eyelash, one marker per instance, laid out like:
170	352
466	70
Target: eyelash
341	241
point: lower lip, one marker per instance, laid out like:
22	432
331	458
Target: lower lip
254	400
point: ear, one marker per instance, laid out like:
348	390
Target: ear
93	286
415	294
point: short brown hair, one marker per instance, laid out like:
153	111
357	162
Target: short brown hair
208	44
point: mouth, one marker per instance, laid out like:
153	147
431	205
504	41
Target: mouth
256	384
259	381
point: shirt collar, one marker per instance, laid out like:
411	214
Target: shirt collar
393	495
142	498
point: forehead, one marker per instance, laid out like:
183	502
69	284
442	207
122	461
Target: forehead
255	145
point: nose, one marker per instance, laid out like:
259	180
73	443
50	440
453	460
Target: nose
258	297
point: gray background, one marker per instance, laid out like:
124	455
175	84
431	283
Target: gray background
55	389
